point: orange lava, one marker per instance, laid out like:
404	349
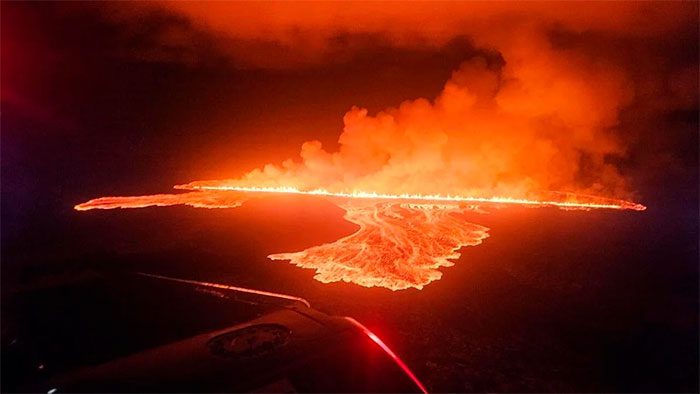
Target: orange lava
402	240
194	199
225	196
398	246
563	200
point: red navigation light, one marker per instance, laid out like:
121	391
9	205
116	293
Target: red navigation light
389	352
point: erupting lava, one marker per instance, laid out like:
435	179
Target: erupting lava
506	126
398	246
566	200
401	242
193	199
216	196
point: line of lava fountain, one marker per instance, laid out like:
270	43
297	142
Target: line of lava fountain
602	203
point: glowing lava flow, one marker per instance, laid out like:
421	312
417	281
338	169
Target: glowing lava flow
398	246
577	202
193	199
214	196
402	240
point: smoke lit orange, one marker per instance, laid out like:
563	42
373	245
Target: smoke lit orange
503	129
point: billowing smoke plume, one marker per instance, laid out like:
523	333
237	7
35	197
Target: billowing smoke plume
544	117
529	112
539	120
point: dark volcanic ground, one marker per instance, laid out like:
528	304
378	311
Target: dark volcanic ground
553	301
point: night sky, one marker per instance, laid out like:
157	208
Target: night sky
133	98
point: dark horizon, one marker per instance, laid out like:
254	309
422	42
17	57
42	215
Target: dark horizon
122	99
